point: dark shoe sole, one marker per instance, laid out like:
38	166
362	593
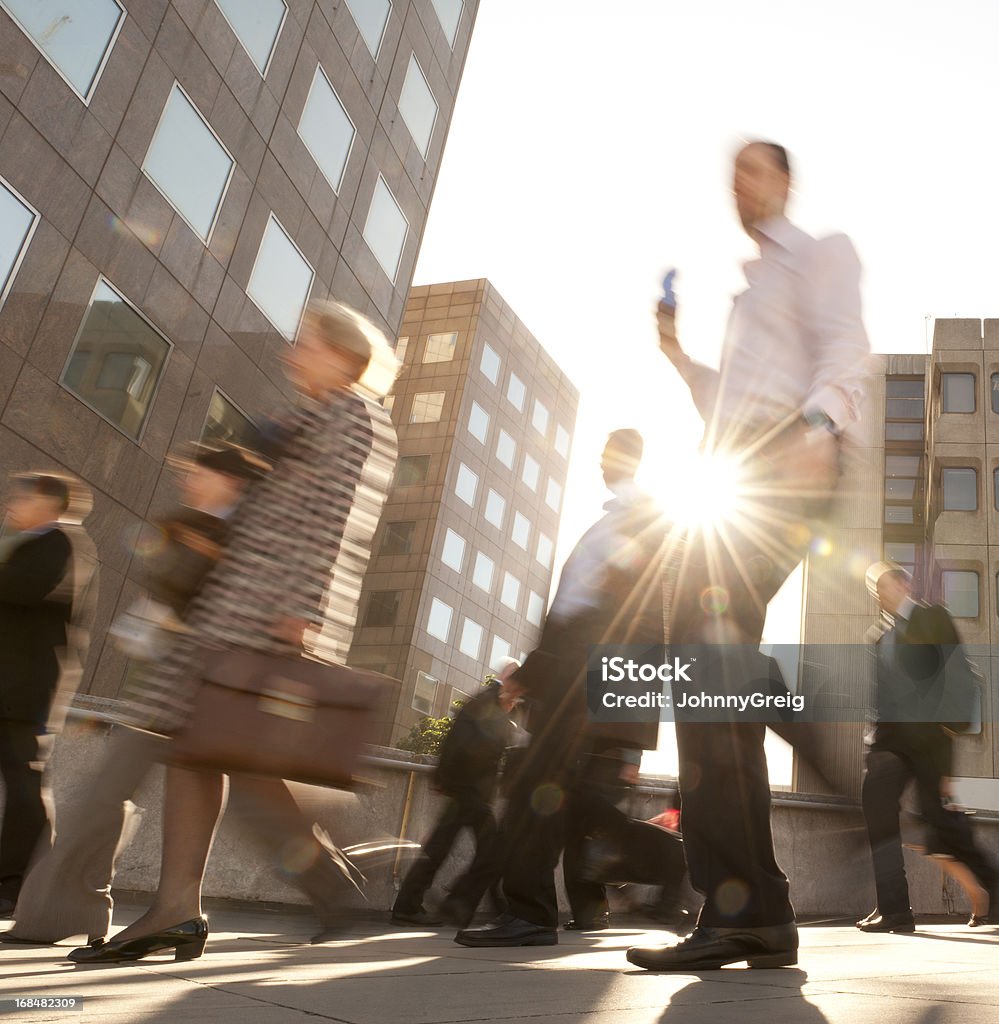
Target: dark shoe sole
545	939
763	961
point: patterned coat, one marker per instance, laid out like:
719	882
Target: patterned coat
297	548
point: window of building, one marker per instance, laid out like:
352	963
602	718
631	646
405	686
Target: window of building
226	423
449	13
516	392
478	422
535	608
418	106
458	700
500	649
482	574
506	449
385	229
957	392
960	592
188	164
453	552
995	392
18	221
489	364
901	515
425	692
960	489
427	407
412	469
545	550
326	129
383	608
400	349
388	403
440	347
562	441
553	494
257	25
995	487
117	361
398	538
903	431
902	552
466	485
510	591
439	619
371	17
521	532
495	509
539	418
531	472
281	280
471	638
76	37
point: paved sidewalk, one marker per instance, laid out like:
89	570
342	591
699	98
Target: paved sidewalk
257	970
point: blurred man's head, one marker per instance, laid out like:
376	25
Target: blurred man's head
890	584
761	182
36	499
216	478
622	456
503	670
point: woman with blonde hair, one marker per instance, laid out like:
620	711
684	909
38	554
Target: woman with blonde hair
298	543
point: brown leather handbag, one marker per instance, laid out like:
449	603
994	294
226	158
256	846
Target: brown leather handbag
280	717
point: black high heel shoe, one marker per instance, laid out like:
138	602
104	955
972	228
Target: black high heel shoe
187	940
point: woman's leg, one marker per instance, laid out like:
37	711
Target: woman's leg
192	806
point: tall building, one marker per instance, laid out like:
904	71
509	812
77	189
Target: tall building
462	564
177	179
922	490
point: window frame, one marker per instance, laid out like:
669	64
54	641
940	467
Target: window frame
381	38
98	74
413	59
460	569
420	676
974	392
978	591
320	70
392	278
434	601
101	279
944	470
272	216
8	285
206	240
274	45
220	391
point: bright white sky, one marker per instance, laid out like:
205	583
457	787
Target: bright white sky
590	150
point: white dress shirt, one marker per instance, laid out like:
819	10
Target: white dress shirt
795	340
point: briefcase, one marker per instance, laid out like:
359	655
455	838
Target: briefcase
280	717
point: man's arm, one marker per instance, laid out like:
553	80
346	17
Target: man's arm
833	317
701	379
34	569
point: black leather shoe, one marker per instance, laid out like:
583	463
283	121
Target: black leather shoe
592	924
187	940
887	923
508	931
416	917
707	949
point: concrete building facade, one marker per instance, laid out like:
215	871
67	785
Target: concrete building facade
462	562
921	488
177	179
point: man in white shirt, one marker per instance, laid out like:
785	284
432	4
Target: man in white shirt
789	382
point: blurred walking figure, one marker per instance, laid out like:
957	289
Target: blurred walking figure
789	382
571	774
47	590
68	890
466	774
300	539
920	662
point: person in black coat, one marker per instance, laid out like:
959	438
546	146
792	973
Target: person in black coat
35	612
919	659
573	773
466	774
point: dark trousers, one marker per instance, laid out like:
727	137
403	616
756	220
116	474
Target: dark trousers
885	779
603	844
27	812
721	598
463	810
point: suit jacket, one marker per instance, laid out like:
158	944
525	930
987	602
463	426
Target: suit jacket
625	606
470	754
912	678
33	622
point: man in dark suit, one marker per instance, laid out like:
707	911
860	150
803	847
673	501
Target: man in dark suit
466	774
610	591
920	663
35	613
